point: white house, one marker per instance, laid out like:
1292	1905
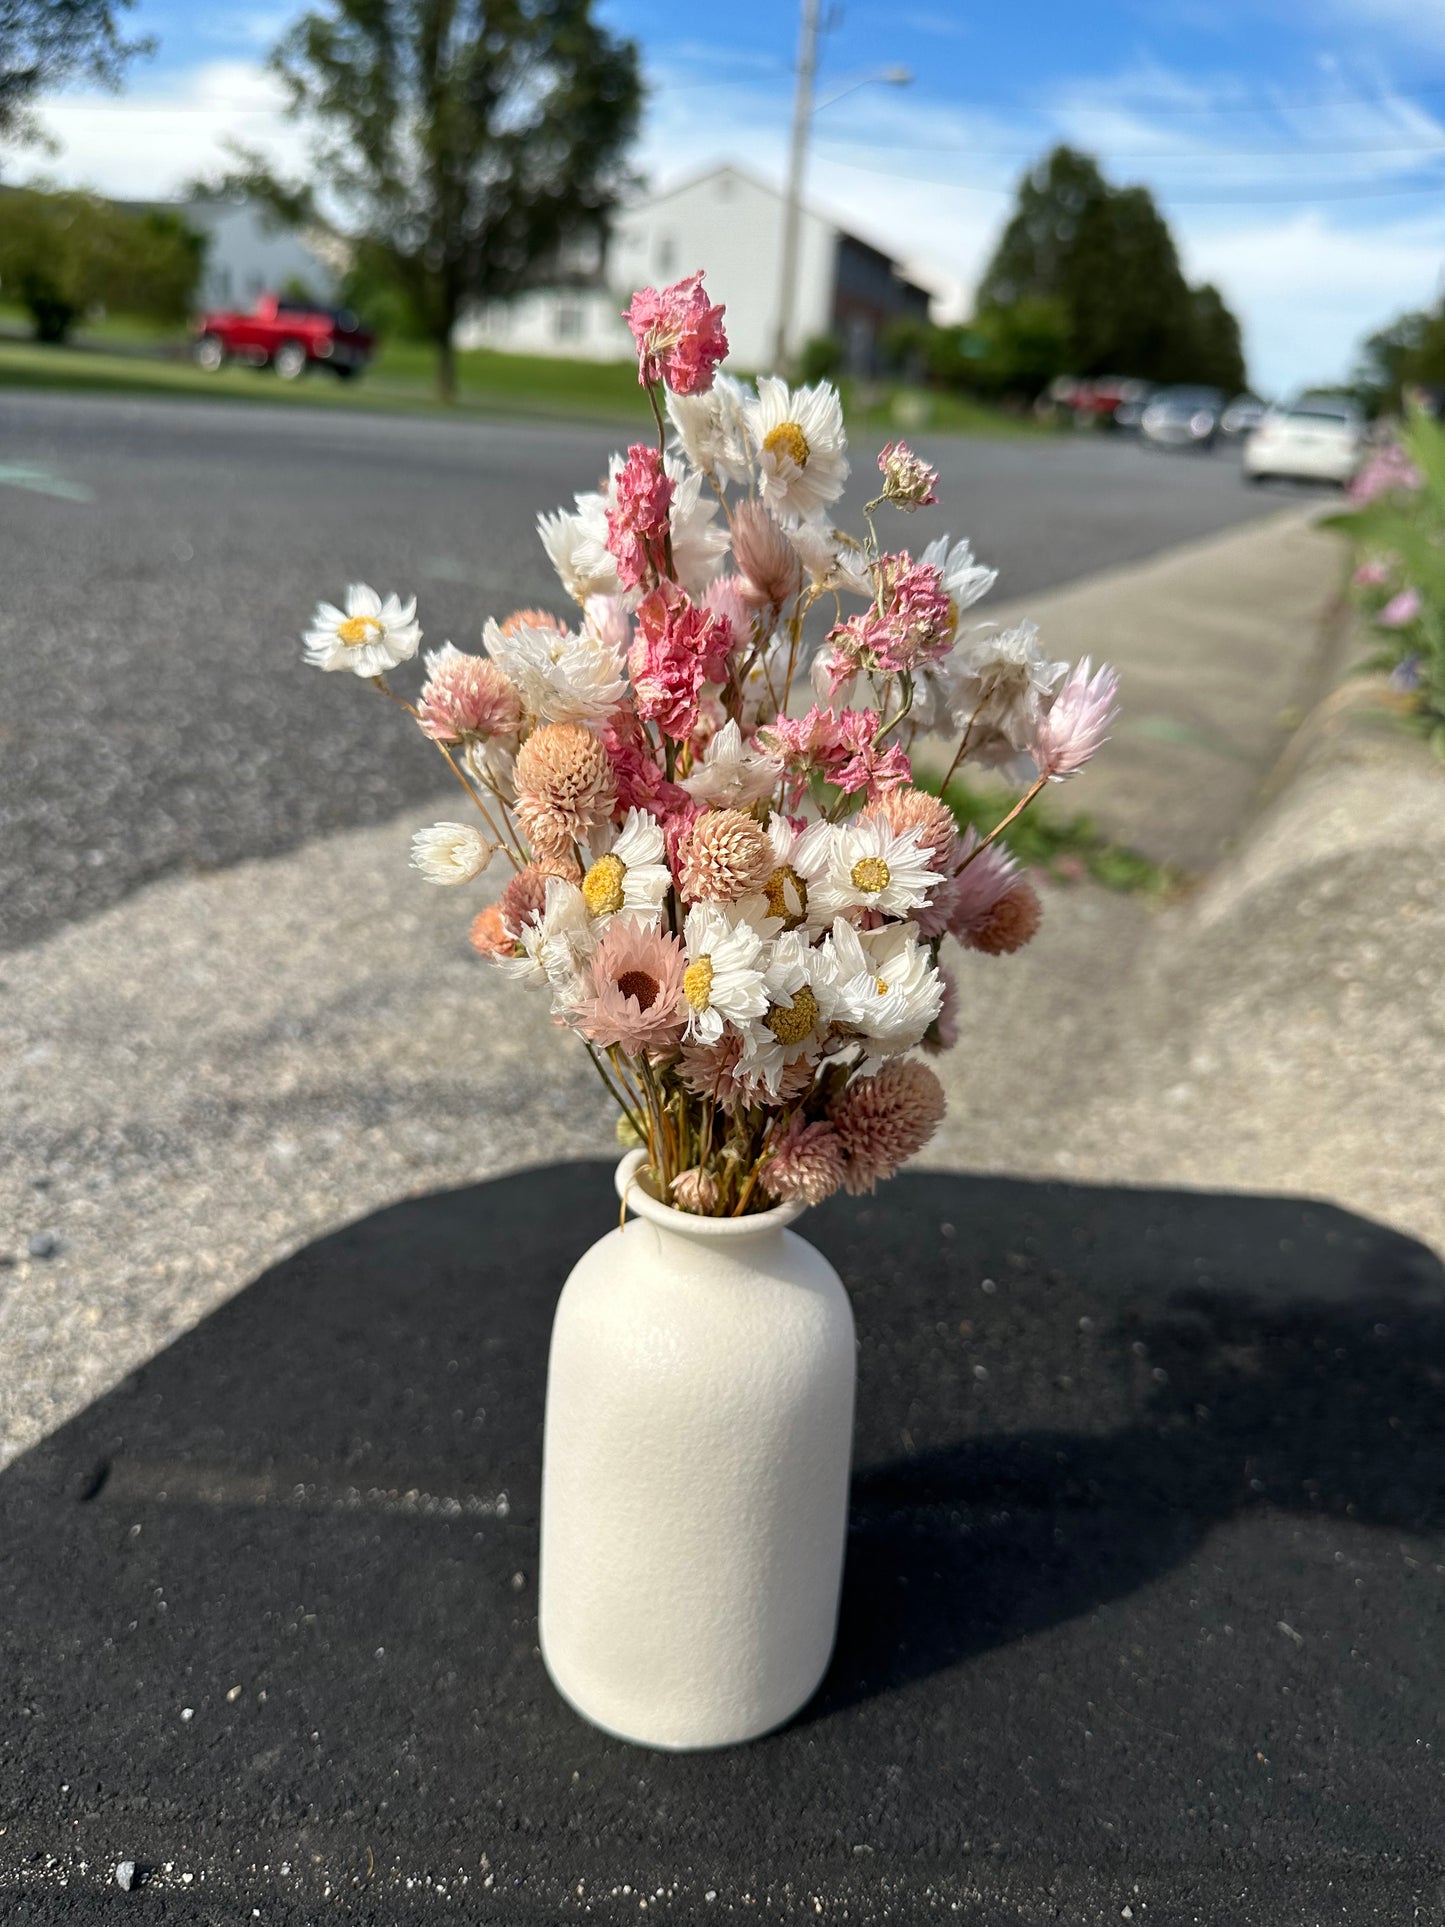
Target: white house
730	225
248	254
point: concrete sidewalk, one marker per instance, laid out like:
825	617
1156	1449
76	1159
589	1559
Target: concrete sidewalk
219	1069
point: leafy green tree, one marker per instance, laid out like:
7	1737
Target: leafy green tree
44	43
466	146
64	254
1218	352
1409	352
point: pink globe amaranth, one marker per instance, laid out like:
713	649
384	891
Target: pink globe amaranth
886	1119
806	1163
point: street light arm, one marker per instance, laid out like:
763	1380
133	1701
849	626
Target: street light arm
884	77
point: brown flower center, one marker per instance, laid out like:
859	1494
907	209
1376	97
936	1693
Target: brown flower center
697	983
602	886
359	629
787	895
791	1026
870	874
788	439
640	985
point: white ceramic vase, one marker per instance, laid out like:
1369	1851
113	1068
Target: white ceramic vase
695	1474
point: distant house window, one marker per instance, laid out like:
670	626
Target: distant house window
569	321
666	254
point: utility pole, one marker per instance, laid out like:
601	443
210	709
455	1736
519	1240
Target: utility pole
797	161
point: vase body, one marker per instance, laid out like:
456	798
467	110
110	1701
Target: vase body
695	1475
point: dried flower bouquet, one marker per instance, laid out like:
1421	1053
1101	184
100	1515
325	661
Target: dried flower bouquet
737	902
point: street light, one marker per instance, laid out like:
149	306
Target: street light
803	111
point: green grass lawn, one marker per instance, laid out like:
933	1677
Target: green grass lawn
122	357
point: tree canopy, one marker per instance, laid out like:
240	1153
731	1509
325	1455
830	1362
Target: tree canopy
463	147
1408	352
1105	255
44	43
64	254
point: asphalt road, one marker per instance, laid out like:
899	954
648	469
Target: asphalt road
160	559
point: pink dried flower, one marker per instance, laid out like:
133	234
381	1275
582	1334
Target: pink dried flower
676	832
806	1163
1373	574
695	1190
886	1119
1077	722
637	525
640	779
489	935
728	856
565	787
766	560
678	647
979	882
908	809
1401	610
679	335
724	599
714	1071
942	1033
466	696
1012	922
636	997
907	482
918	621
874	770
495	932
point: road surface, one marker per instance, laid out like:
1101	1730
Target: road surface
159	561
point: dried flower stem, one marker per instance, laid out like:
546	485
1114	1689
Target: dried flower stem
999	828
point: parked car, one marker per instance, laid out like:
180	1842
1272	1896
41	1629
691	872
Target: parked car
1134	398
1317	439
1243	415
1183	418
289	336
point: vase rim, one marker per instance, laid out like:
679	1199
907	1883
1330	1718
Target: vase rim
641	1201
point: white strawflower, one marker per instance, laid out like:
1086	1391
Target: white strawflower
798	443
867	865
368	636
699	543
731	775
450	853
492	764
801	1002
1001	680
885	985
629	870
832	559
576	541
558	945
964	580
711	428
724	977
562	675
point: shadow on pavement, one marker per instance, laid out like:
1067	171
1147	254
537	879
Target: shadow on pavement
1144	1569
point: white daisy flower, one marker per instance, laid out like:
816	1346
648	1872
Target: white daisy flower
629	870
698	542
711	428
731	775
558	945
867	865
801	1002
562	675
723	982
576	541
964	580
450	853
798	443
798	855
884	984
1000	681
368	636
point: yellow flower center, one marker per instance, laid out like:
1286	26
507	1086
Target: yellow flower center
697	983
602	886
871	874
792	1026
788	439
787	895
359	629
880	986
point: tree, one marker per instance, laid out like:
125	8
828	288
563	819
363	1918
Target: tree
63	254
44	43
1409	352
466	145
1106	257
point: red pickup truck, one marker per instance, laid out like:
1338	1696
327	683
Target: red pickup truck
289	336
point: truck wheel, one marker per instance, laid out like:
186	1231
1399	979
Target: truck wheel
210	353
289	360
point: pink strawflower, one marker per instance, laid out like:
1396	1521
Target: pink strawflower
640	779
979	882
1371	575
725	599
679	334
1077	722
636	1000
766	560
678	645
565	787
907	482
1401	610
466	696
638	524
886	1119
806	1163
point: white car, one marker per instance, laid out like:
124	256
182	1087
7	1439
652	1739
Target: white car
1316	440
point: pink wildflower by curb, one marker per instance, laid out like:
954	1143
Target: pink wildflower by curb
1400	610
679	334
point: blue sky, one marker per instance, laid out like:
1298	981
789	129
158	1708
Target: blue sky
1298	150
